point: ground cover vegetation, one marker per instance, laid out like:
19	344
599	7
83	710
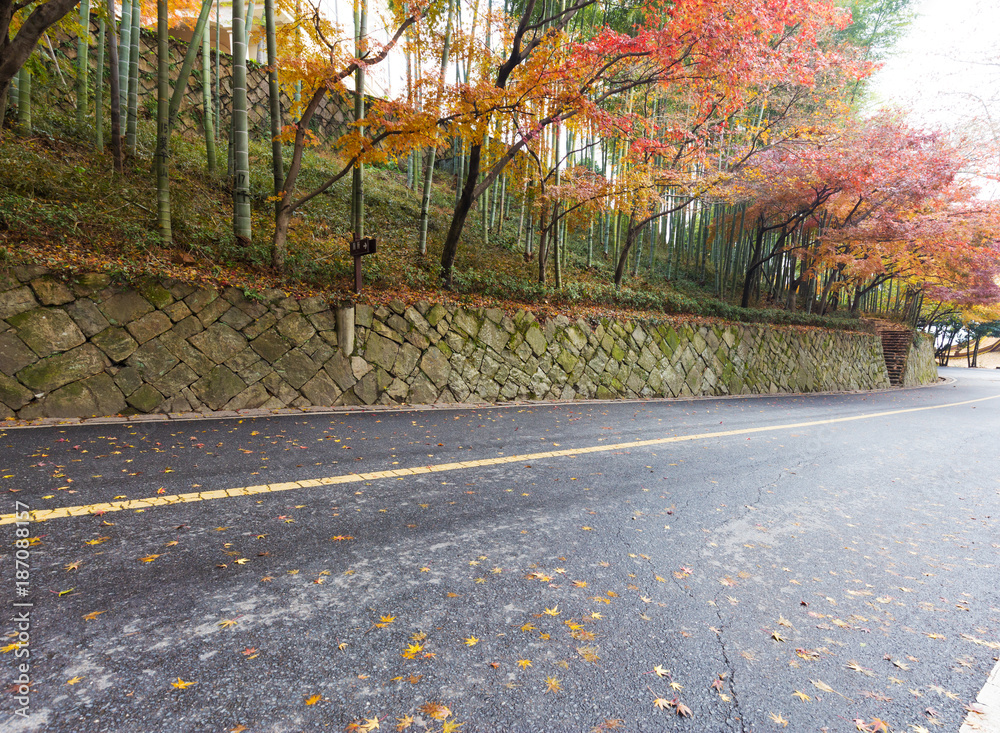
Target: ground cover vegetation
688	157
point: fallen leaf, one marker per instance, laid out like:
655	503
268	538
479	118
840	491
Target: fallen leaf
683	710
92	615
802	696
552	684
660	671
450	726
471	641
778	719
73	680
313	699
181	684
148	558
435	710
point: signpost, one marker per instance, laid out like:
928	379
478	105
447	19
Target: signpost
360	248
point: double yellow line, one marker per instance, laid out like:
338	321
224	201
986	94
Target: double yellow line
44	515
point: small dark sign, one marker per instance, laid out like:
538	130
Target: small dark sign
363	246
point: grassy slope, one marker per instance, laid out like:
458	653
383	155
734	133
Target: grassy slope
61	205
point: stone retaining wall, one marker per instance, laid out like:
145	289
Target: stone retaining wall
921	366
82	347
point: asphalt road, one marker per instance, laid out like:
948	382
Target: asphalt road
791	562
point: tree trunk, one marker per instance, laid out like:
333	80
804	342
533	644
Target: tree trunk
623	256
162	125
240	137
465	201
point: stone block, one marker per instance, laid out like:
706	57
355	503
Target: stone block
179	289
259	325
187	328
381	351
436	315
533	337
296	328
128	380
87	316
325	320
321	390
219	342
184	351
50	291
123	308
14	354
422	392
493	336
173	382
312	305
235	318
465	322
47	330
14	394
115	342
339	370
145	399
97	395
55	371
212	312
398	390
296	368
152	360
406	360
218	387
149	326
156	294
252	397
24	273
435	365
200	298
90	282
177	311
270	345
363	315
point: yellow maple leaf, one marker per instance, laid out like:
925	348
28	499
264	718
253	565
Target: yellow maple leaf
450	726
369	725
92	615
552	684
528	627
387	619
313	699
181	684
405	722
241	561
523	663
661	671
554	611
802	696
778	719
73	680
148	558
72	566
10	647
676	686
227	622
580	583
471	641
662	703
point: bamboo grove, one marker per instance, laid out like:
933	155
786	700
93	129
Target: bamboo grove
715	142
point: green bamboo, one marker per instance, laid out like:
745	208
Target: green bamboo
206	102
162	124
24	100
358	178
83	64
133	78
274	99
123	54
99	87
240	136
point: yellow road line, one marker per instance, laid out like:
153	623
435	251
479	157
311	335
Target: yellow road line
43	515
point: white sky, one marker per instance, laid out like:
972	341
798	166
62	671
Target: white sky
946	70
